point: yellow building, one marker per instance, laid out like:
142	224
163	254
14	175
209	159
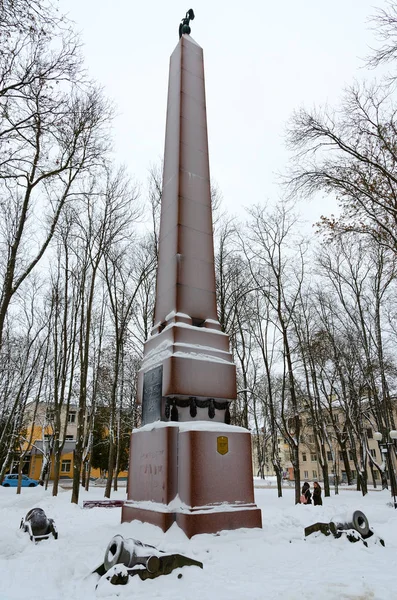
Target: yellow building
39	431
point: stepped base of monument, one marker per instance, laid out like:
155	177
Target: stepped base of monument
197	474
193	523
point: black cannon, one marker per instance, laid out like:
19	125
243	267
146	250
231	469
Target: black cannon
355	528
38	525
125	558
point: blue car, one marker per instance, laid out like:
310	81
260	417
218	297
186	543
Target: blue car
12	481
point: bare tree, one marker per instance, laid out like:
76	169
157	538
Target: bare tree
63	323
29	17
350	153
385	28
123	280
25	363
102	222
277	271
52	131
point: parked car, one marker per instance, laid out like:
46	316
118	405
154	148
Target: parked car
12	481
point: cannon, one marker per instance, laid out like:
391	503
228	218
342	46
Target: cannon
130	552
356	528
38	525
125	558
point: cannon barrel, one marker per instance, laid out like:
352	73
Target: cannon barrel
358	521
38	525
130	552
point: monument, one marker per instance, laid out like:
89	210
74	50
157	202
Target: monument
187	463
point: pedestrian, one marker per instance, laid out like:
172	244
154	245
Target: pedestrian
317	500
306	497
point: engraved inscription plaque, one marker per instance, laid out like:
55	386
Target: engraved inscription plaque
151	400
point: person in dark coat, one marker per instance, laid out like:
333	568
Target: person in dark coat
306	493
317	500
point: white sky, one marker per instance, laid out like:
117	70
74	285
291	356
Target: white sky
262	61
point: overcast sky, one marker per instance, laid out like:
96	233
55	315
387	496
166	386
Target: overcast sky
262	61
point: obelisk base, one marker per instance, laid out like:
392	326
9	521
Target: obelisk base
196	474
194	523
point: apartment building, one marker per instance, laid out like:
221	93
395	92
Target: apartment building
38	431
309	464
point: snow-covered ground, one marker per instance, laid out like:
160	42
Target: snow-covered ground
274	562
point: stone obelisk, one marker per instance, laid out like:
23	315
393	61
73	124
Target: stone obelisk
187	464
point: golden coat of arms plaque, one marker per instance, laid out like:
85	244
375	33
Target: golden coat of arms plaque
222	444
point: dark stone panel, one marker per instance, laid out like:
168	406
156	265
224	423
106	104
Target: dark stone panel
152	394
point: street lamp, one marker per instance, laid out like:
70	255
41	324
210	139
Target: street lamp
386	454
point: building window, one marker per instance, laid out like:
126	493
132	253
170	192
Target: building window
373	452
313	457
72	417
304	458
329	456
69	437
351	455
354	474
306	474
314	474
369	434
66	466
